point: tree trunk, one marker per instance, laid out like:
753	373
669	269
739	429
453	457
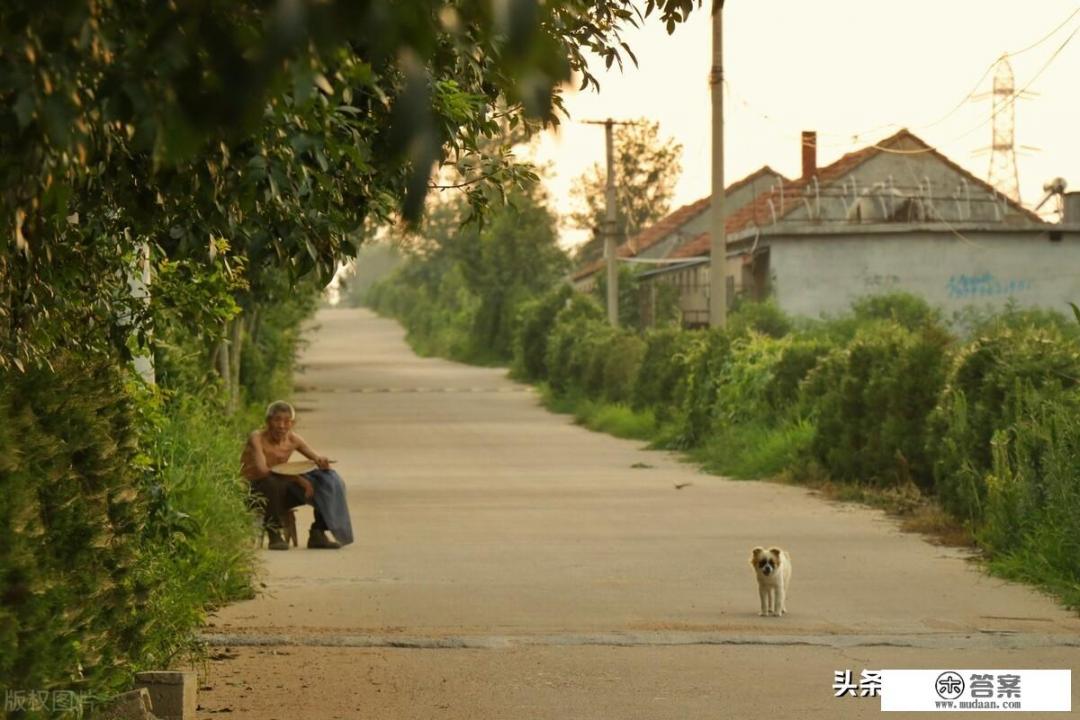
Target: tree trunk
222	363
236	346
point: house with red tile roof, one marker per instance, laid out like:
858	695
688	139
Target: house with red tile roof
895	215
677	228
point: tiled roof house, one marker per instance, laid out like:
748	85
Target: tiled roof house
682	225
896	214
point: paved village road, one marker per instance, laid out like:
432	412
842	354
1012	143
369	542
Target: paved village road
510	564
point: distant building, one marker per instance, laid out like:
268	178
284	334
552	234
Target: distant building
676	229
897	215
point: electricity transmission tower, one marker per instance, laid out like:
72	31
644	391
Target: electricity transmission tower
1003	174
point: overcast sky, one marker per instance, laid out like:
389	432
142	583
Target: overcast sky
853	70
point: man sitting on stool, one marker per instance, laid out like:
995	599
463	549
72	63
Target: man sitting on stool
272	446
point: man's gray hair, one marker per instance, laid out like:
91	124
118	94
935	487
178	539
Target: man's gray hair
280	406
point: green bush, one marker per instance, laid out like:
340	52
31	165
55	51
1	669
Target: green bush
536	320
906	310
622	362
268	360
590	355
564	358
1031	527
113	548
971	322
198	545
870	401
797	358
747	378
662	370
989	377
765	318
704	359
71	612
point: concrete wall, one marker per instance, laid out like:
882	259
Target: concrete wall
824	274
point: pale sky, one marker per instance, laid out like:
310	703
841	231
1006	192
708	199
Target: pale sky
853	70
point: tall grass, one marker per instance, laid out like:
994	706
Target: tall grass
756	450
199	542
616	419
1031	527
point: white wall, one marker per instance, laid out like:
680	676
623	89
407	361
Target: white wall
815	275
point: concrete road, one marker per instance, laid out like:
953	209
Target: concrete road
510	564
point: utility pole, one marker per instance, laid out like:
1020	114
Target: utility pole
610	222
718	250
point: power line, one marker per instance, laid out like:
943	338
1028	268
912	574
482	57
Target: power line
1002	106
978	83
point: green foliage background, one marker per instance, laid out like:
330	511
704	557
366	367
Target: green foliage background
461	292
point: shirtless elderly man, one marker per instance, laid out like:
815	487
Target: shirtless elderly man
272	446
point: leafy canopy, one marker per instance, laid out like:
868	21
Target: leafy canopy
280	128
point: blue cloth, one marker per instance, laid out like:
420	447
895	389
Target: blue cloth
330	501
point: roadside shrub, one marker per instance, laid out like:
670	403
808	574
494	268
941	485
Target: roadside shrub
705	356
536	319
910	312
564	359
630	299
797	358
71	612
1030	524
989	377
591	350
622	363
972	322
870	402
113	548
662	370
198	542
745	378
765	318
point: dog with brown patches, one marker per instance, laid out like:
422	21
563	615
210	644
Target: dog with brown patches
773	570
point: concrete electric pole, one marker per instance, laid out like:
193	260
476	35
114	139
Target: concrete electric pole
718	249
610	221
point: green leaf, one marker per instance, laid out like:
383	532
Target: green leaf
303	81
25	106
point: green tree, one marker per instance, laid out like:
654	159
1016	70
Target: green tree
282	129
475	278
375	261
647	166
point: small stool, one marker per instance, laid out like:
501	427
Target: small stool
288	524
288	527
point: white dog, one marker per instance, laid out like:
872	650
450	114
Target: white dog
773	570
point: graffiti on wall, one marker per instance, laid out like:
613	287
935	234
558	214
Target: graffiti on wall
986	285
881	281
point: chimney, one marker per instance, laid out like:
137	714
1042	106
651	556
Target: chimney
809	154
